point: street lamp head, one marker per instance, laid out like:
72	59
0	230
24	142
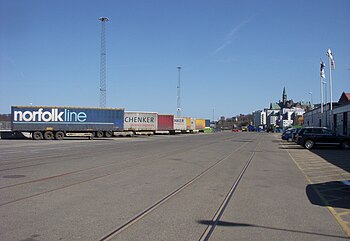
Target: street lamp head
179	67
103	19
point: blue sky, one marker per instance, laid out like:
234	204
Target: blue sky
236	56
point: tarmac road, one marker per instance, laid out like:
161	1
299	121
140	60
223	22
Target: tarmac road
221	186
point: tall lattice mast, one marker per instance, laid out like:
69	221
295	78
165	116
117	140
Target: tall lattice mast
179	92
103	87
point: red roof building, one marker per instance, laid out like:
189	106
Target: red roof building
344	98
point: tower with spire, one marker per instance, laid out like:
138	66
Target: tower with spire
284	96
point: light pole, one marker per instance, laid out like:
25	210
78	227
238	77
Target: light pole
179	92
312	101
311	107
103	88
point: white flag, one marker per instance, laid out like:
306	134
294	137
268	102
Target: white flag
323	76
330	56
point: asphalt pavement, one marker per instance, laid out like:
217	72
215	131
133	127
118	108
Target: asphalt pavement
220	186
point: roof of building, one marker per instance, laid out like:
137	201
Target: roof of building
344	98
275	106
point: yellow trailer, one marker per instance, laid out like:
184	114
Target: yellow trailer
200	124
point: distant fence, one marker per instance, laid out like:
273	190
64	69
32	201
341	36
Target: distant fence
5	125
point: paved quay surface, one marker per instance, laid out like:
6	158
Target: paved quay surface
328	173
221	186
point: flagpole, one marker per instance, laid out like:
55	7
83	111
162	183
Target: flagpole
324	83
331	66
321	85
330	84
330	94
325	100
322	76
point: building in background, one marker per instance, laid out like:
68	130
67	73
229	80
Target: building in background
282	114
337	119
259	119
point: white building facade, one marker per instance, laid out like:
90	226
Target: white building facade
259	119
338	119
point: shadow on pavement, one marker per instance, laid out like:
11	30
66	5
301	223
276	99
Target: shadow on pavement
335	194
12	135
335	156
331	154
233	224
291	148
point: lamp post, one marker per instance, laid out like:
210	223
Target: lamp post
311	107
312	102
213	114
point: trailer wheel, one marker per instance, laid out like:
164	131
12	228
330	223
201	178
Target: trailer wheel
37	135
48	135
99	134
59	135
108	134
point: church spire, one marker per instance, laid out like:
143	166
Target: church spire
284	96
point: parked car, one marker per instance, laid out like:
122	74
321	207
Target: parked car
251	128
295	134
310	137
279	130
289	134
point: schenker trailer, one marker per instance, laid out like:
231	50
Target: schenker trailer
50	122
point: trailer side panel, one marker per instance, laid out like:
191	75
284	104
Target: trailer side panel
79	119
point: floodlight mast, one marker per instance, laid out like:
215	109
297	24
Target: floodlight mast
103	86
179	93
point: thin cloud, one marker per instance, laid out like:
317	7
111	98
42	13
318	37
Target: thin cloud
231	36
227	60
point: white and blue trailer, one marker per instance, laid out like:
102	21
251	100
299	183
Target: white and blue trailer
52	122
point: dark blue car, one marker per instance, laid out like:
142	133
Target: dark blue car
289	134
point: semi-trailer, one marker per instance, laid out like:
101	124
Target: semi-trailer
51	122
165	124
207	123
140	123
200	124
180	125
193	125
190	125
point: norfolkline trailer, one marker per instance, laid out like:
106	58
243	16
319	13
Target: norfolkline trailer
48	122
